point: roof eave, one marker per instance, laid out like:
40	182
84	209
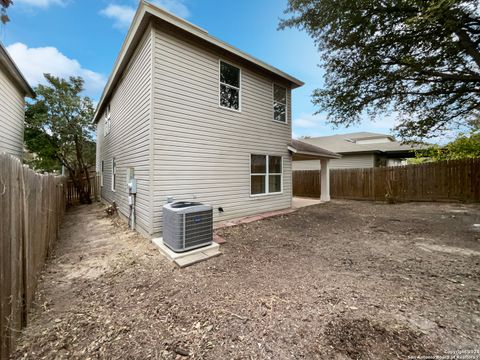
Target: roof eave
115	74
15	72
353	152
204	35
374	151
142	14
295	151
326	156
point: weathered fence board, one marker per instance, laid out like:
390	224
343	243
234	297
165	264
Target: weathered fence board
306	183
454	180
73	194
31	208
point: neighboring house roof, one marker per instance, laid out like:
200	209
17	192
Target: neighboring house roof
302	151
147	11
11	69
349	143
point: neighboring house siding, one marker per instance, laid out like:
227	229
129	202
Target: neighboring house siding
346	162
202	152
129	137
12	115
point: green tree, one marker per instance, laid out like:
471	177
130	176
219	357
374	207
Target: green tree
420	58
463	147
59	130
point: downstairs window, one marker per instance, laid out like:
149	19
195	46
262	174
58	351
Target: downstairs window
266	174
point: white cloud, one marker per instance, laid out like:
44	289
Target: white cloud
307	121
385	122
34	62
41	3
123	14
304	123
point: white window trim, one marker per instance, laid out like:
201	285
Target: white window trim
107	116
102	169
267	180
273	103
114	175
234	87
105	126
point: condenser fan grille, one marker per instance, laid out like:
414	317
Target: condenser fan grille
187	226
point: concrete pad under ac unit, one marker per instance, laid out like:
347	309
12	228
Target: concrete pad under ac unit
190	257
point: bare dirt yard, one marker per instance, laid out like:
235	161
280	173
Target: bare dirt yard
344	280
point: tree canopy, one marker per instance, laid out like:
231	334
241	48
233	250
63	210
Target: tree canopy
59	129
4	4
465	146
418	58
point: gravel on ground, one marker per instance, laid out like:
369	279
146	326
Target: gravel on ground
343	280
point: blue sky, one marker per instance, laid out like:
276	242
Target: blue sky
83	38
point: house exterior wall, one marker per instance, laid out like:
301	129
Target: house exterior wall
100	146
129	137
202	152
346	162
12	116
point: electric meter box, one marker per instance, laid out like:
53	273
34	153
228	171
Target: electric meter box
132	186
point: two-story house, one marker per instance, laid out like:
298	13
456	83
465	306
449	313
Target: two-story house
193	118
13	90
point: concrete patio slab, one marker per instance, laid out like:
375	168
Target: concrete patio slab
249	219
299	202
195	258
190	257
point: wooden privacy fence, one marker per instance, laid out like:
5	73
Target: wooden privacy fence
73	194
454	180
306	183
31	208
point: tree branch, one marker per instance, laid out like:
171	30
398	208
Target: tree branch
468	45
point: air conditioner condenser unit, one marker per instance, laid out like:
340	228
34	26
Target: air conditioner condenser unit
187	225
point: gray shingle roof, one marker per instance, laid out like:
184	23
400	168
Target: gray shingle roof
347	143
309	149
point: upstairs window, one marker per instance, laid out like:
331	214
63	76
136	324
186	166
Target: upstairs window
106	128
229	86
279	103
265	174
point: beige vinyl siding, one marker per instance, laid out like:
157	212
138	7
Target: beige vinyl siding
12	116
346	162
201	151
100	146
129	137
